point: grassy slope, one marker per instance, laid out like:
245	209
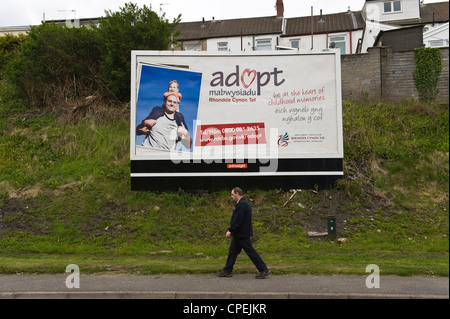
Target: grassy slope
65	198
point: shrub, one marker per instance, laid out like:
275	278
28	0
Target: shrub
56	64
9	45
428	70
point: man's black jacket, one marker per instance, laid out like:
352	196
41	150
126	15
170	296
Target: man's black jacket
241	220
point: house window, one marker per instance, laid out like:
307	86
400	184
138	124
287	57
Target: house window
193	47
339	43
436	43
222	46
264	45
295	44
392	6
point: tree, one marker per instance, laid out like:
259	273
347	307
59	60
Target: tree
56	66
131	28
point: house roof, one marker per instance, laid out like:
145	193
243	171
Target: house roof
344	21
439	9
229	28
20	28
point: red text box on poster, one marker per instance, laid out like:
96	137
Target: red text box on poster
229	134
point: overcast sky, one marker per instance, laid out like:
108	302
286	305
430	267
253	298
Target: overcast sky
30	12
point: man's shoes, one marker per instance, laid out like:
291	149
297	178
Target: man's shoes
224	273
263	274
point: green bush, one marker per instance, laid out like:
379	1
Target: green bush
132	28
428	70
9	45
61	66
56	63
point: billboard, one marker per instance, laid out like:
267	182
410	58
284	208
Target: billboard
209	121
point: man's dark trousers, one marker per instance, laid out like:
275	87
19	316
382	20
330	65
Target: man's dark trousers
236	246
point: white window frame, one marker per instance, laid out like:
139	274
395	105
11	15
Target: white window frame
222	46
392	6
292	41
193	47
437	43
264	44
344	42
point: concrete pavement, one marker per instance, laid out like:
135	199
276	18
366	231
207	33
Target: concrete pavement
208	286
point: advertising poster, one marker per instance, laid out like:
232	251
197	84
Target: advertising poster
200	115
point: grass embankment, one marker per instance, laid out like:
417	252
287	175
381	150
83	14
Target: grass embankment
65	199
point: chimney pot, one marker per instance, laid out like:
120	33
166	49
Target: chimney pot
280	8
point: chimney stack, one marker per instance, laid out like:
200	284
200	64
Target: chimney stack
321	20
280	8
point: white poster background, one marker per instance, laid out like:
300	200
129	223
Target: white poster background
296	96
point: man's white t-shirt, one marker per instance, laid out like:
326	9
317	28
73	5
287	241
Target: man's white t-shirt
163	134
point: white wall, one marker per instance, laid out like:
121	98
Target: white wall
375	11
371	32
323	41
234	43
436	34
320	42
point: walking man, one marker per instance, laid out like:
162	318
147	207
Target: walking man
241	230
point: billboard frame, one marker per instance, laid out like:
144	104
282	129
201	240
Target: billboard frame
223	173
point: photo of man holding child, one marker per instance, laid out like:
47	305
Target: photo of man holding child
169	126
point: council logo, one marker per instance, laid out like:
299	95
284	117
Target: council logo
283	140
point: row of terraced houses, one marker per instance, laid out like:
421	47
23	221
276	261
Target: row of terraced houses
376	42
350	31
